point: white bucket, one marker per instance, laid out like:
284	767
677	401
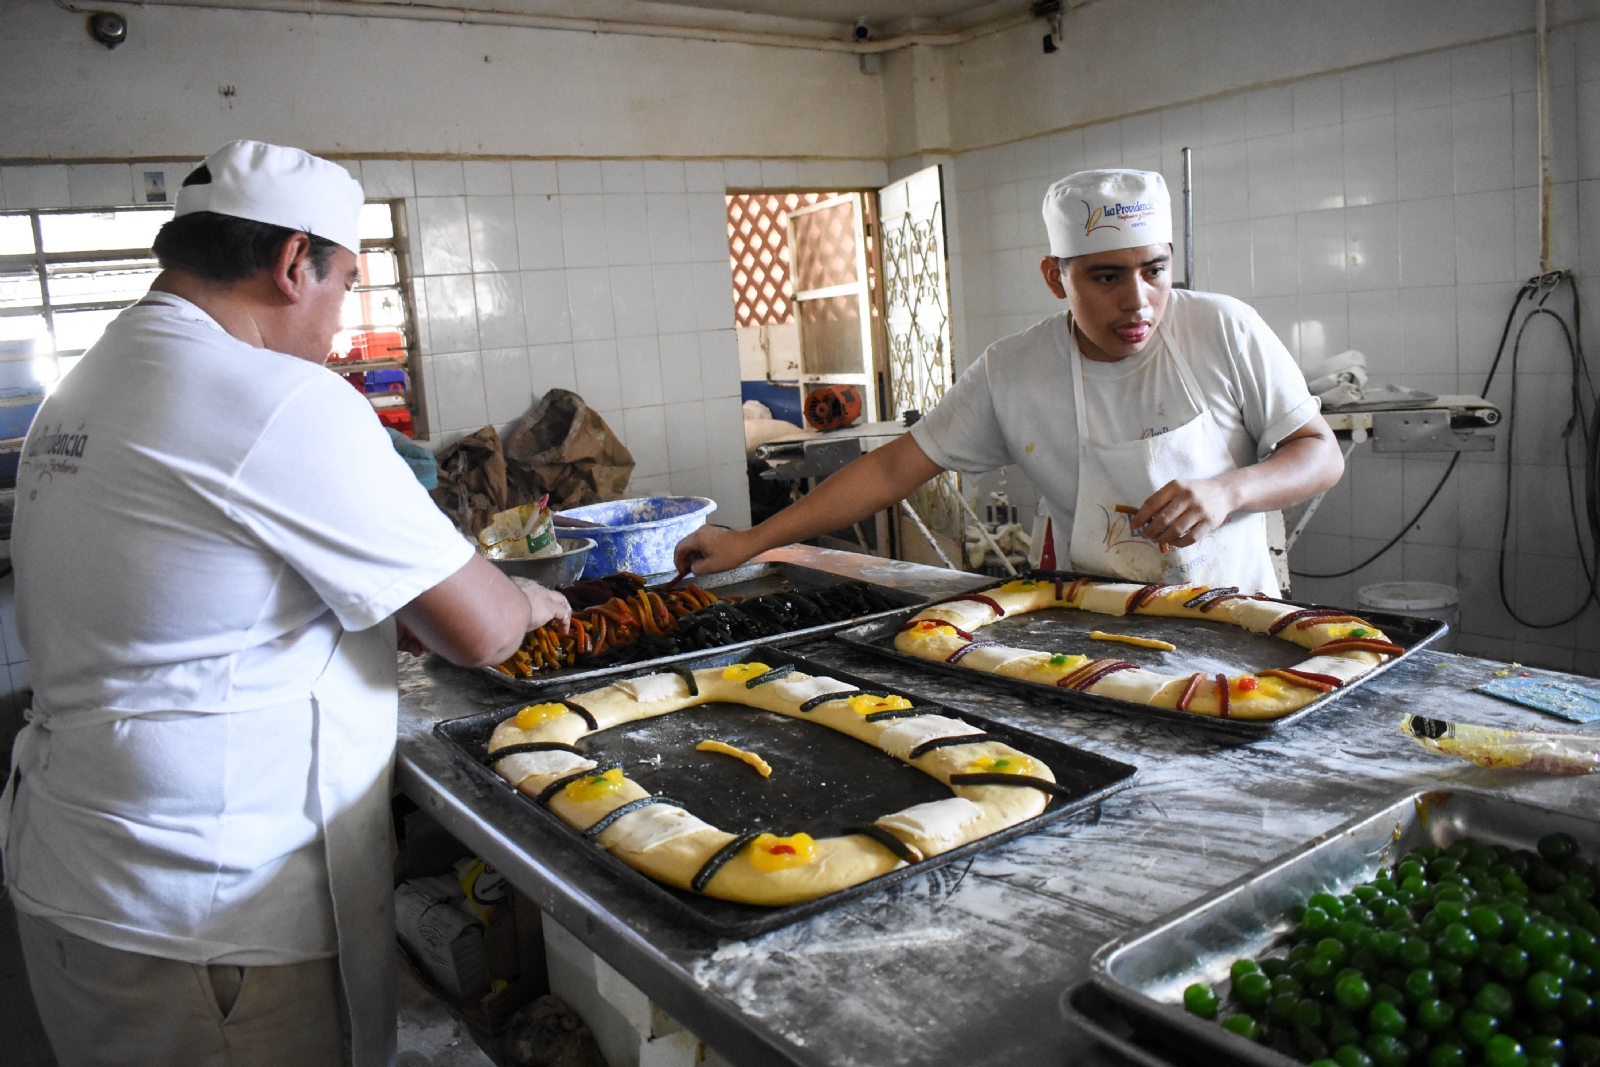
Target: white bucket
1423	600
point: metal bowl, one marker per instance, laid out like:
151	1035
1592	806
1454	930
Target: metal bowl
552	572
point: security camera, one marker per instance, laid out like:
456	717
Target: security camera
108	27
863	31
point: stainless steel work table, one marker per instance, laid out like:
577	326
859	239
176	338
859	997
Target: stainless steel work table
964	965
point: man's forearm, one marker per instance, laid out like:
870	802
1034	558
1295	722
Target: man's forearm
1299	469
875	481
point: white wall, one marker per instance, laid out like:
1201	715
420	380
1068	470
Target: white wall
1392	209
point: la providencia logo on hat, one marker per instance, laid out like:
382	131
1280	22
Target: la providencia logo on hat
1134	214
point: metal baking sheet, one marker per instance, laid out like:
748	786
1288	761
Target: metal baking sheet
1146	972
751	580
1103	1022
822	782
1203	645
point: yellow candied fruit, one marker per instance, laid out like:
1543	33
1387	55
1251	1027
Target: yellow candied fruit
931	628
772	853
1021	585
1268	688
871	705
600	785
1000	765
743	672
534	714
1062	662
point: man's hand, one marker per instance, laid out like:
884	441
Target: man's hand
544	605
711	549
1183	511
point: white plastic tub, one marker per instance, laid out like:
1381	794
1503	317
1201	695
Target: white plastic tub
1422	600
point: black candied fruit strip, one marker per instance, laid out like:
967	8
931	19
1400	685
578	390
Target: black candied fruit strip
561	783
605	821
946	742
581	711
719	858
688	679
530	746
1053	788
888	841
843	694
771	676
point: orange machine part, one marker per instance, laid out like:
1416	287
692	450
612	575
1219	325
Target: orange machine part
833	407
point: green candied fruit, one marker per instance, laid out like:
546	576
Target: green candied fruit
1511	963
1457	943
1324	1062
1385	1018
1253	989
1243	967
1387	1050
1557	846
1353	992
1495	999
1351	1056
1544	991
1200	1000
1244	1026
1058	660
1332	948
1544	1046
1308	1015
1421	985
1409	869
1577	1006
1434	1015
1414	952
1328	903
1487	923
1447	1054
1281	1006
1503	1050
1478	1026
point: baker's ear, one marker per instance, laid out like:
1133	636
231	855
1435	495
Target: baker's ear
1050	267
292	269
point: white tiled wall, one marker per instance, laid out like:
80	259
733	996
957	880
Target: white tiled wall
1393	209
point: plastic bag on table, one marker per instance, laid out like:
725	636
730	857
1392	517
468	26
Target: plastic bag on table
524	532
1524	750
563	448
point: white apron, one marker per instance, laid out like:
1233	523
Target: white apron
355	707
1129	472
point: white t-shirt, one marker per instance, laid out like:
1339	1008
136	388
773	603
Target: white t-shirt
1015	404
197	521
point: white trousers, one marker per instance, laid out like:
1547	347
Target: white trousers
104	1007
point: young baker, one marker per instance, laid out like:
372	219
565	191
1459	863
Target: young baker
213	539
1182	405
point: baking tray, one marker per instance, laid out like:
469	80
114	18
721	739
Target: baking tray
811	764
753	579
1145	973
1103	1022
1202	645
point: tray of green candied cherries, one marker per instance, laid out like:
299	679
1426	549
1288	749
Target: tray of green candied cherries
1449	929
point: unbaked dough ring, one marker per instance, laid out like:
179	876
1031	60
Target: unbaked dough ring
993	786
1344	646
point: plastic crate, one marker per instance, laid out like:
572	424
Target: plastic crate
397	419
385	381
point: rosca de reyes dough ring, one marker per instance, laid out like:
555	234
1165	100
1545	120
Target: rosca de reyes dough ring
1343	647
992	785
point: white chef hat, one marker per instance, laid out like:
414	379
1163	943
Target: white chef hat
1102	210
280	186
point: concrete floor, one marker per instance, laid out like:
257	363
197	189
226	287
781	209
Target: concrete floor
429	1035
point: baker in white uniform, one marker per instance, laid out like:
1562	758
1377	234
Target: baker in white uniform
1159	425
214	542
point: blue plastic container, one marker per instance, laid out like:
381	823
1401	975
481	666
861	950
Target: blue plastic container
638	535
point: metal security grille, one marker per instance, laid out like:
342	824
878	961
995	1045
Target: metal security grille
758	247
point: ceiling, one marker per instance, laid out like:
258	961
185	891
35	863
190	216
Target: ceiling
890	15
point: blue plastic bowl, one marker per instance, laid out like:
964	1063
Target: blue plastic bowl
639	535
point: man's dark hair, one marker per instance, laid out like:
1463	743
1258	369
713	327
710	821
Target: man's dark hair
222	248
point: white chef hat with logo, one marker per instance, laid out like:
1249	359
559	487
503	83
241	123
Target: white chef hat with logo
279	186
1103	210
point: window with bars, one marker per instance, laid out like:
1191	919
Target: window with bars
65	274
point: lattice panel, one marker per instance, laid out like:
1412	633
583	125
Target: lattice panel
827	239
758	248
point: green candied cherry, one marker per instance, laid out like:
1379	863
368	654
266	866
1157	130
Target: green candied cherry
1253	989
1456	942
1281	1006
1577	1006
1562	966
1450	911
1349	929
1287	983
1396	915
1447	1054
1386	945
1495	999
1324	1062
1307	1015
1314	923
1537	938
1478	1026
1343	1032
1409	869
1544	1046
1515	916
1385	1018
1583	1050
1449	974
1241	968
1244	1026
1415	885
1585	947
1511	963
1544	991
1503	1050
1421	985
1387	1050
1321	966
1328	903
1200	1000
1434	1015
1353	992
1333	949
1442	866
1351	1055
1301	952
1414	952
1417	1039
1557	846
1272	966
1487	923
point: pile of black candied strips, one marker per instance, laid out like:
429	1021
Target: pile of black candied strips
728	622
1458	956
